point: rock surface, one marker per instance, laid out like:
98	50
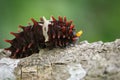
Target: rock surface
7	66
84	61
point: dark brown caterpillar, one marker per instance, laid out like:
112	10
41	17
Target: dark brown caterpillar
44	34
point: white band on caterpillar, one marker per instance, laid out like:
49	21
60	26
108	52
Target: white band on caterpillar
45	29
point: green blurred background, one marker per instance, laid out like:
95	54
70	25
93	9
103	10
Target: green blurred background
99	19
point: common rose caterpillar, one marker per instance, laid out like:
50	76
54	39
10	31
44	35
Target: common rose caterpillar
44	34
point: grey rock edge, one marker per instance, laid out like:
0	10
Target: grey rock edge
84	61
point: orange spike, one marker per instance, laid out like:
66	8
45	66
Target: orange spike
53	18
9	41
60	18
15	34
78	34
65	19
34	21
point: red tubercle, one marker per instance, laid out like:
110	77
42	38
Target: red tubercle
25	28
14	34
60	19
72	26
67	23
34	21
65	19
22	27
9	41
53	18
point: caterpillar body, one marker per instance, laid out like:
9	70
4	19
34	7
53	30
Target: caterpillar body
44	34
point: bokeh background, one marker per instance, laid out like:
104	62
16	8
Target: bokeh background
99	19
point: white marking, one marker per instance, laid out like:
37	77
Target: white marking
45	28
40	24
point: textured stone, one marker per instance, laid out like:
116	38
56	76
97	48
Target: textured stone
7	66
93	61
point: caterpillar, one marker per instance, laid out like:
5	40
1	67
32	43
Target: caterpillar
44	34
